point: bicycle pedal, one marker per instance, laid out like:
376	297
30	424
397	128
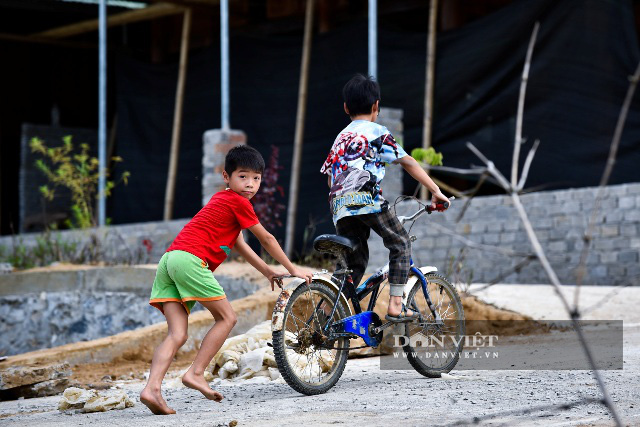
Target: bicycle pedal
383	327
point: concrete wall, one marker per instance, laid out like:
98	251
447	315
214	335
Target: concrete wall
122	244
45	309
559	219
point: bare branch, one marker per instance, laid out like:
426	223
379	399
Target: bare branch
607	297
523	90
527	165
535	243
472	171
491	168
449	189
611	160
512	190
562	406
472	193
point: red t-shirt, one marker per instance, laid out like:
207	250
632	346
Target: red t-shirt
211	234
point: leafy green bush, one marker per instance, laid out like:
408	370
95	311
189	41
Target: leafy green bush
77	171
428	156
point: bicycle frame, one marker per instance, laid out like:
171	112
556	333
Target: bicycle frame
372	286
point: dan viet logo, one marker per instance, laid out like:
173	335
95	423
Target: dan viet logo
439	346
421	340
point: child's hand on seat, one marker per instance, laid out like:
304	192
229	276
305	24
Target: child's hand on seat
302	273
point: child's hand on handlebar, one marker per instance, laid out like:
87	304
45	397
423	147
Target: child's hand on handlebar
439	202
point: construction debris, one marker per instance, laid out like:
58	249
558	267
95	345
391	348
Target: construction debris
17	376
33	381
81	401
248	356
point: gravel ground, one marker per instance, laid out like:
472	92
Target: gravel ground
366	395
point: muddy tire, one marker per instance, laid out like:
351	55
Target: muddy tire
304	364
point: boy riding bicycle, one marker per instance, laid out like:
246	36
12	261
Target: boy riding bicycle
356	166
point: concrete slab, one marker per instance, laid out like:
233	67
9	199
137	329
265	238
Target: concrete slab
542	303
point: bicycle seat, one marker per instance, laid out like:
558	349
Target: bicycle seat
334	244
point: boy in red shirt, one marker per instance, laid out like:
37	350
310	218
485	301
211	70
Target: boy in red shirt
184	273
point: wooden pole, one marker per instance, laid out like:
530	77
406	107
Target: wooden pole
292	208
177	117
151	12
428	91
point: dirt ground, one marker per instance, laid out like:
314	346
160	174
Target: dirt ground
134	365
369	395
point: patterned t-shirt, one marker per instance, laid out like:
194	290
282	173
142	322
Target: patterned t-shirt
356	164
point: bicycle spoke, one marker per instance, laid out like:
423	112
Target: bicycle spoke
314	313
319	368
321	359
302	321
440	301
309	364
443	315
298	359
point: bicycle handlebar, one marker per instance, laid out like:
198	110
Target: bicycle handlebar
440	207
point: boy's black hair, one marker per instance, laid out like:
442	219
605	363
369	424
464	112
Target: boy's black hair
360	93
243	157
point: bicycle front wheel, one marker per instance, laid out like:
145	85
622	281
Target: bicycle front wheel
307	360
434	345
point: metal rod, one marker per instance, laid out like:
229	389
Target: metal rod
292	208
102	111
373	38
429	82
177	118
224	63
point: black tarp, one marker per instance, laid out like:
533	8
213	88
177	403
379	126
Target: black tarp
585	52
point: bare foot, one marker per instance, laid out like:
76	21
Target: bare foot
155	402
395	309
197	382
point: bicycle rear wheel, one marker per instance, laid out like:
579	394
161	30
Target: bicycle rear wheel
304	355
434	347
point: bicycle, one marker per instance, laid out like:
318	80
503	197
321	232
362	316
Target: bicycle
313	323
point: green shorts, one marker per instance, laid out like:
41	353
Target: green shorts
184	278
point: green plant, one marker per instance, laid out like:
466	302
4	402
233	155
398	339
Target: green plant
428	156
19	257
77	171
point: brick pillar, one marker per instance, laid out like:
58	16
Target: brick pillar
391	118
216	145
